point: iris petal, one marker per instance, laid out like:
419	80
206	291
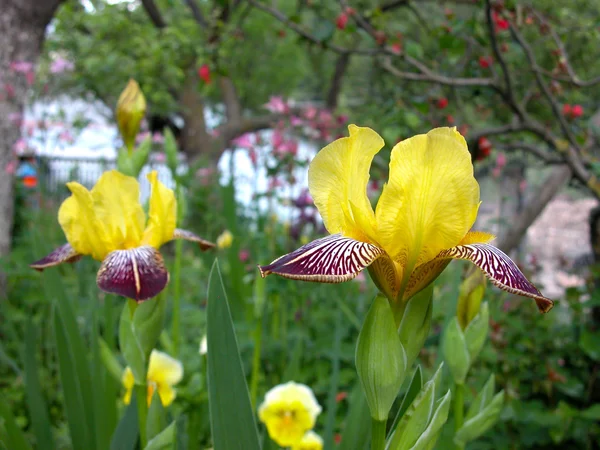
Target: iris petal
63	254
138	273
164	369
498	267
332	259
162	214
337	180
431	199
189	236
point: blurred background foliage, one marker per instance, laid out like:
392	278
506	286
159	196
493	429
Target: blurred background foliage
358	63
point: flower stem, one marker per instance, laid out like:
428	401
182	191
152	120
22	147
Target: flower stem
459	403
256	362
176	324
378	434
142	407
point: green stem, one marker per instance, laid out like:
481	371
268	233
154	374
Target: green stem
176	324
378	434
256	362
459	406
141	392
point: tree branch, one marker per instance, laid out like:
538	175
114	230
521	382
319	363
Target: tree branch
197	13
530	148
154	14
231	99
336	82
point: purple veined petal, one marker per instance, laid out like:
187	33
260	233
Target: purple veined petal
332	259
138	273
500	269
189	236
63	254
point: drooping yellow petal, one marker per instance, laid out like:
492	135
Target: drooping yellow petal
164	369
431	199
166	393
162	215
117	206
337	180
83	230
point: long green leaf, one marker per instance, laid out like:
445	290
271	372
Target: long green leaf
415	386
33	393
229	400
165	440
357	430
335	381
73	385
125	436
14	436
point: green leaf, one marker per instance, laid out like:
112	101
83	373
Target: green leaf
33	393
114	368
356	434
431	433
592	413
157	417
477	331
165	440
455	351
229	401
171	151
416	323
14	438
380	358
483	398
483	421
74	376
139	332
417	417
588	342
126	435
139	157
415	386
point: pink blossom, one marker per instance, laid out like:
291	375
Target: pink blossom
276	104
253	156
60	65
496	171
342	119
244	255
16	118
244	141
296	121
20	146
11	167
158	138
66	136
310	112
10	90
160	157
142	136
21	66
325	116
289	147
277	139
274	182
501	160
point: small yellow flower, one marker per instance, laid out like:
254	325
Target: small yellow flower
163	373
109	224
131	108
422	221
289	411
310	441
225	239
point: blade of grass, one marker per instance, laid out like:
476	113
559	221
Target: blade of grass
126	435
335	380
357	430
229	400
14	436
36	403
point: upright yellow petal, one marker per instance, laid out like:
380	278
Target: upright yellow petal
83	230
337	180
431	199
164	369
117	206
162	215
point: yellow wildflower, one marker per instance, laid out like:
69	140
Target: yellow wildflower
109	224
163	373
225	239
422	221
289	411
310	441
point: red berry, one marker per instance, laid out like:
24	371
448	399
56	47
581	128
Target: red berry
396	48
341	21
442	102
577	111
566	109
485	147
450	119
204	73
485	62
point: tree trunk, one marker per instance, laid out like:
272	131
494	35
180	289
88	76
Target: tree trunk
22	28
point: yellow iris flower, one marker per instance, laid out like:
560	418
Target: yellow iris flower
422	221
163	373
310	441
109	224
289	411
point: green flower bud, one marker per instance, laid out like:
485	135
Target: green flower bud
415	323
470	296
131	108
456	353
380	359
